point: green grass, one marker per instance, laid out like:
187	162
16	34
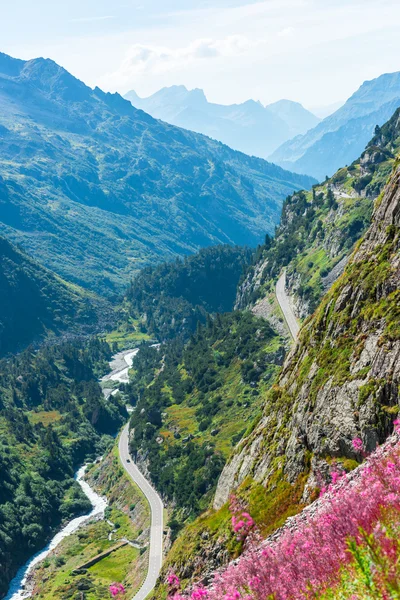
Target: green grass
126	565
46	418
127	334
238	409
116	566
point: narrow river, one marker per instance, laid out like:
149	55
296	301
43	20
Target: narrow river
19	587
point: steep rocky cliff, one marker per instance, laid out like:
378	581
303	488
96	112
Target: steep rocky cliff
342	378
319	229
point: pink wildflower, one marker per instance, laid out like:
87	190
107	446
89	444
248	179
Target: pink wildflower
243	525
310	553
254	582
116	589
173	580
357	444
199	593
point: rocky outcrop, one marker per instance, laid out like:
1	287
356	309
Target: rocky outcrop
334	274
342	379
319	229
250	285
210	556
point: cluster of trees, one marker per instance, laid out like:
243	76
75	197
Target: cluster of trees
299	227
307	219
173	297
306	222
35	303
185	469
52	416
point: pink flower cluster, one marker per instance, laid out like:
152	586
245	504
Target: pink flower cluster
242	525
357	444
173	580
242	522
116	589
307	558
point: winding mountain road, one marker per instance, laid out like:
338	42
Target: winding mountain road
156	508
284	303
120	368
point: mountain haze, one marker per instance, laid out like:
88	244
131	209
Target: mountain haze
95	188
341	137
249	127
298	119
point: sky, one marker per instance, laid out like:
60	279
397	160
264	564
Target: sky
317	52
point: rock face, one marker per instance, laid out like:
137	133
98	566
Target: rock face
342	379
319	229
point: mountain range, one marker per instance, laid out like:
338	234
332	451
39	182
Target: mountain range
237	428
341	137
94	188
249	127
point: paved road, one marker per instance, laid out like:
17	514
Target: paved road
156	507
284	303
120	366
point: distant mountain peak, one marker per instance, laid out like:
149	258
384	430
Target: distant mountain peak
341	136
110	189
10	66
285	102
250	102
179	92
247	126
50	78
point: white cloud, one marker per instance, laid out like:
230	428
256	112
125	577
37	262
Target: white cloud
142	58
315	51
287	32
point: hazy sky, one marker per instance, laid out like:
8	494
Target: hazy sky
313	51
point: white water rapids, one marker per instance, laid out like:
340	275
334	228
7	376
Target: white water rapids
19	589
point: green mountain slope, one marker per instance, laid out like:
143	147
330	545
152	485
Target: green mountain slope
36	304
340	382
171	298
342	379
194	401
318	229
94	188
52	416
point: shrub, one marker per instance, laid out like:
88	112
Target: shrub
352	525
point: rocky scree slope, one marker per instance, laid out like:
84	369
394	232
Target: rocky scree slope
109	188
341	381
318	231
